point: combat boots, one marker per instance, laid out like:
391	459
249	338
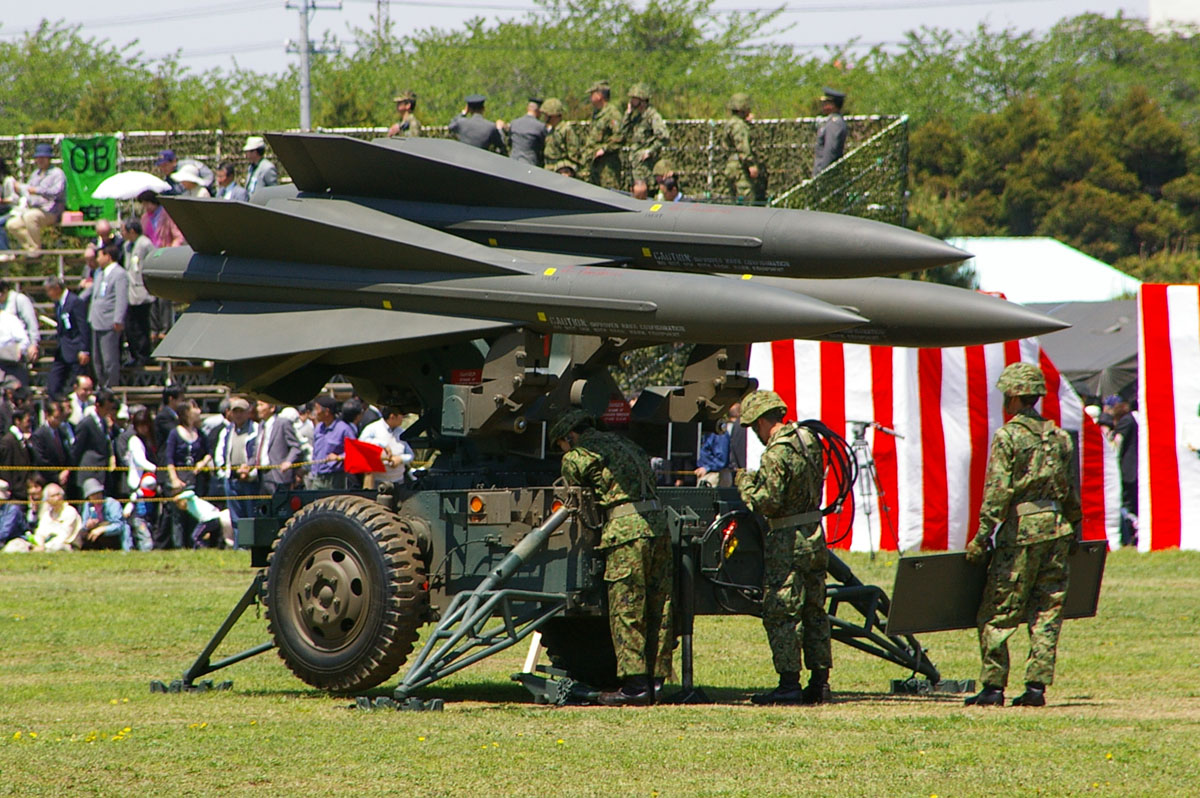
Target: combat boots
989	696
634	693
817	691
788	691
1034	696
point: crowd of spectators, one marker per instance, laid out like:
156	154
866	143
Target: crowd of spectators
95	474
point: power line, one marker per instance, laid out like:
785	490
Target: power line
827	8
166	16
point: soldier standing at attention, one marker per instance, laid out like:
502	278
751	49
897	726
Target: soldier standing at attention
561	152
408	126
643	128
604	138
1031	501
831	135
472	128
528	134
742	169
787	490
637	548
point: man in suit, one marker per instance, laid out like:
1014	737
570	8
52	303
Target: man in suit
262	172
93	437
106	315
74	337
48	446
278	445
14	452
737	439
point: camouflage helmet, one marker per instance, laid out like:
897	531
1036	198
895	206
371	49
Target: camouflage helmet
552	107
759	402
1021	379
572	419
739	102
639	90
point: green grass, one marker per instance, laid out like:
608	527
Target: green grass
82	635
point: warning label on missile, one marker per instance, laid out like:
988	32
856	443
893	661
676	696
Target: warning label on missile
673	259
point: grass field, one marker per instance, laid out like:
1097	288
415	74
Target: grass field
82	635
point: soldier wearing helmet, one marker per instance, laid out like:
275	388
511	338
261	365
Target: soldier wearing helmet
786	489
743	172
603	138
1029	514
637	551
643	129
561	150
408	126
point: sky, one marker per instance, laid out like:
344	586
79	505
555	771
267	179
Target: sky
216	33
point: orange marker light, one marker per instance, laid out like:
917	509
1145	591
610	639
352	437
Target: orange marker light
556	505
476	504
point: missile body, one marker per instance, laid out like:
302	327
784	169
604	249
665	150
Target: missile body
912	313
583	300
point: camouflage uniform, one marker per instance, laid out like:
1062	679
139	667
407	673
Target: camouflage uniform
742	187
408	126
604	133
788	483
1031	501
638	561
562	140
645	131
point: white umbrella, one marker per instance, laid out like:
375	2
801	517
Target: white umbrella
127	185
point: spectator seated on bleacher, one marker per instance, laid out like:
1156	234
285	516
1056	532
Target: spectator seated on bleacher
104	525
12	517
58	528
46	194
10	200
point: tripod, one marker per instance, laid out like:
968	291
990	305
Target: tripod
870	487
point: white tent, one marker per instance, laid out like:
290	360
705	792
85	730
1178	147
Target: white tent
1043	270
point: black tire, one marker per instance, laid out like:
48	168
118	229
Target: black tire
346	594
583	648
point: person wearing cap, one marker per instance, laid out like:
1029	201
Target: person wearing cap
831	135
261	172
234	456
329	446
636	545
191	183
603	146
1028	523
47	194
104	525
528	135
164	166
561	148
743	171
471	127
408	126
643	129
786	490
106	315
213	526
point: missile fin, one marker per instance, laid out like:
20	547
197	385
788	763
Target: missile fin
226	331
433	170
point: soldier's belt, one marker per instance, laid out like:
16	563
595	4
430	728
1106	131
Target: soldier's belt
1039	506
793	521
633	508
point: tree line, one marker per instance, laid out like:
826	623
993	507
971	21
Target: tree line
1089	132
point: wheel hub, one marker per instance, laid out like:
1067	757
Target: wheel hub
329	587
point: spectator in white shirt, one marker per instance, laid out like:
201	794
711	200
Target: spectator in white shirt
386	433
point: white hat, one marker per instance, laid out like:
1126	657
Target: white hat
254	143
191	173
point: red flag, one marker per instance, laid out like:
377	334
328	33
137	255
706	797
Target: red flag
363	458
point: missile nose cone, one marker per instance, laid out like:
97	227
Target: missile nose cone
832	245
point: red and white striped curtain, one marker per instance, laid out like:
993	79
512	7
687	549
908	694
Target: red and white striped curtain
1169	400
945	405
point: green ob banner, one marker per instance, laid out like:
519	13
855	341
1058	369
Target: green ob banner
86	163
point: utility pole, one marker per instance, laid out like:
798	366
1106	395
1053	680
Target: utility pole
305	49
382	12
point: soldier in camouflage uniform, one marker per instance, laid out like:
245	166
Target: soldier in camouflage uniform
744	173
787	490
408	126
1031	503
603	153
643	129
637	548
562	142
